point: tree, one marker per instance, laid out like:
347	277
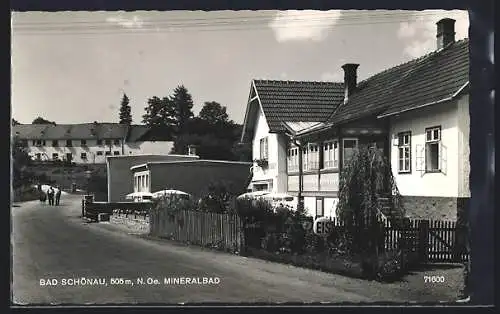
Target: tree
125	111
160	114
41	120
20	161
183	104
213	113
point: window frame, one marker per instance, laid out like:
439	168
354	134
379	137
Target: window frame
293	159
313	156
433	141
69	143
116	153
343	147
99	142
333	152
55	156
116	142
55	143
83	155
99	153
83	142
404	146
264	148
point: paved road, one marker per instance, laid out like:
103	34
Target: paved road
54	243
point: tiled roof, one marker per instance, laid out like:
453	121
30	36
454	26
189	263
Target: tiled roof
79	131
433	77
297	101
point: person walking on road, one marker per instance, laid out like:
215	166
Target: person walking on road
50	195
58	195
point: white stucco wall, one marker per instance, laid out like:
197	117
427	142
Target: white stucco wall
330	205
97	153
91	149
274	148
310	206
463	120
160	147
419	183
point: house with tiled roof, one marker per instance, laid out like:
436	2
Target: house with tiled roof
271	103
89	142
416	113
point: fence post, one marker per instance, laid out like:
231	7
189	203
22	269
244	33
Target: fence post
423	241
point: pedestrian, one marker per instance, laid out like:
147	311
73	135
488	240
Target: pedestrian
58	195
50	195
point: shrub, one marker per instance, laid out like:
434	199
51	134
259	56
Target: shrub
219	198
390	266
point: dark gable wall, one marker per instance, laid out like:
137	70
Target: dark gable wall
195	177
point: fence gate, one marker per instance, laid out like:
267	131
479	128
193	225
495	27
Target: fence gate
433	241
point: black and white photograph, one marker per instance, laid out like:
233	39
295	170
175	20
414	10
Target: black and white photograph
240	157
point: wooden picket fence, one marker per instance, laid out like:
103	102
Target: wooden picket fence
222	231
435	241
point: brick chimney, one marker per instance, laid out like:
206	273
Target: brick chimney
445	32
350	79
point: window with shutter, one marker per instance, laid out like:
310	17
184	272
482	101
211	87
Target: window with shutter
404	152
432	149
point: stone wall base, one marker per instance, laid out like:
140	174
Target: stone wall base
435	208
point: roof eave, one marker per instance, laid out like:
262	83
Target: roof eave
455	95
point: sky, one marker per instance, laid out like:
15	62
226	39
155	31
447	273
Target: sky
73	67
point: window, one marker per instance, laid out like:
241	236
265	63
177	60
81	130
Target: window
147	180
313	156
55	143
319	207
83	142
304	159
117	142
349	147
404	152
55	156
108	142
108	153
432	148
38	156
39	143
331	154
116	153
263	148
83	156
99	153
99	142
69	143
293	159
34	142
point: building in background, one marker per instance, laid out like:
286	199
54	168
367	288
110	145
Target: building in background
89	143
190	176
120	178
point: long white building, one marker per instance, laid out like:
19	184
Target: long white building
89	142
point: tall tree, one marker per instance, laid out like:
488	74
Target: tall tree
41	120
213	113
125	111
160	114
183	104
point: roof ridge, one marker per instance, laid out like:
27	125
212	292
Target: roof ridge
296	81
